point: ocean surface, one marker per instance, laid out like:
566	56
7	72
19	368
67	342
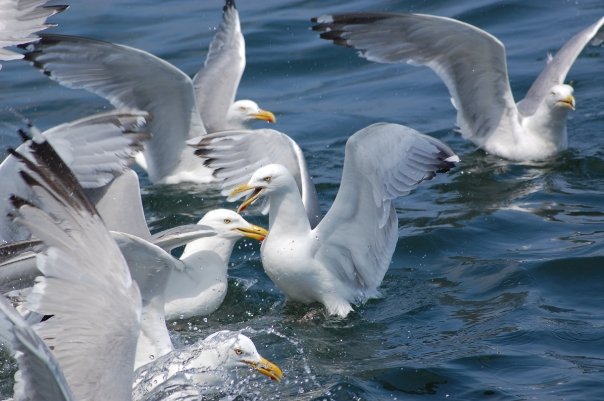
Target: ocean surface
496	288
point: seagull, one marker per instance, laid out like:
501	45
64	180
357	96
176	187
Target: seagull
472	64
199	287
217	81
209	364
96	148
168	94
343	259
87	287
234	155
20	20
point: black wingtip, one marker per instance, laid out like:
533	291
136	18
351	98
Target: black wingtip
12	152
228	4
19	202
217	171
55	175
24	135
202	152
448	161
338	21
208	162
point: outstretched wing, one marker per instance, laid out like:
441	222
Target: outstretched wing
471	62
85	284
217	82
235	155
181	235
95	148
39	376
556	69
357	236
20	20
128	77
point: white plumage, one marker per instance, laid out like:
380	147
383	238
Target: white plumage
472	64
343	259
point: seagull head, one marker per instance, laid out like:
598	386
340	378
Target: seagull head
236	349
243	112
266	180
230	225
561	96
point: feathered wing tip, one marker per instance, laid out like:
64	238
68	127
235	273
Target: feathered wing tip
229	4
47	170
87	280
22	20
447	158
332	27
132	123
39	375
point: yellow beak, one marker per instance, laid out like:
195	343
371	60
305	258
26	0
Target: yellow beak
569	102
267	368
245	188
266	116
254	232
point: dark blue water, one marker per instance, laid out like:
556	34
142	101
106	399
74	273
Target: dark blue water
496	289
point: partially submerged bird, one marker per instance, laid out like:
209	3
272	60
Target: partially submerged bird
472	64
178	104
208	363
199	287
343	259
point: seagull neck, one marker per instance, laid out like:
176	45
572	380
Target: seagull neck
550	124
198	249
287	213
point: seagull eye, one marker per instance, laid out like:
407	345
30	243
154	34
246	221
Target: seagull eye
267	179
238	351
241	108
227	221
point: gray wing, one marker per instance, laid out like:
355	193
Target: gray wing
85	284
150	267
120	205
39	376
99	147
20	20
357	236
471	62
129	77
181	235
235	155
95	148
557	67
18	260
217	82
